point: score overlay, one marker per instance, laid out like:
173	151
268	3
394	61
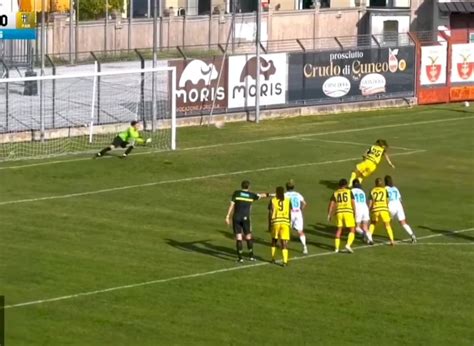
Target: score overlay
16	24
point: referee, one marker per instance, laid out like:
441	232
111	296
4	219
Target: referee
126	139
239	208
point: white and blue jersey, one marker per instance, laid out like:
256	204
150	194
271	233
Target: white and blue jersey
395	203
362	209
297	201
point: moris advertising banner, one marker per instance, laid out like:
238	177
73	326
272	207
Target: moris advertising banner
351	75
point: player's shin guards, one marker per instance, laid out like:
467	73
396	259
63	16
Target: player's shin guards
273	251
129	150
351	180
238	245
390	232
285	255
250	247
350	238
337	243
371	228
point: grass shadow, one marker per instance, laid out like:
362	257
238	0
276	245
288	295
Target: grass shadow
448	233
204	247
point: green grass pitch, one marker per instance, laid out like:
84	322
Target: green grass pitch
136	251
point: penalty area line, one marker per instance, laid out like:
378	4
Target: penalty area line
202	177
208	273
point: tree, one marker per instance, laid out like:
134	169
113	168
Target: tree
95	9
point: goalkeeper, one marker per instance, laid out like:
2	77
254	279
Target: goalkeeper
126	139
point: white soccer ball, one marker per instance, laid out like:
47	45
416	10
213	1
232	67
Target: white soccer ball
466	104
219	124
148	140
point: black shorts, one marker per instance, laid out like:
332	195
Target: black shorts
241	225
119	142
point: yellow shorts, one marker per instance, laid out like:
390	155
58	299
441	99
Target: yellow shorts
366	168
380	215
345	220
281	231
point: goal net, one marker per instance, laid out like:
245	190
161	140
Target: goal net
65	114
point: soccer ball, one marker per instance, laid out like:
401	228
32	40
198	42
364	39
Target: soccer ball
219	124
466	104
148	140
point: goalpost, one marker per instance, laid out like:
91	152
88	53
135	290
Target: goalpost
65	114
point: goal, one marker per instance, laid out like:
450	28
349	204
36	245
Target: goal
70	114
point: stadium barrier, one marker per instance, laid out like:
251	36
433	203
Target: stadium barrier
373	70
445	64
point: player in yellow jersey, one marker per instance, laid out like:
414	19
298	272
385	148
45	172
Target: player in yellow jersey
371	159
342	203
378	206
280	216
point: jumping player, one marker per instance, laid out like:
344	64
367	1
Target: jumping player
297	205
371	159
342	202
395	206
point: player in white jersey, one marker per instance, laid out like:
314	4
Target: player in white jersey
362	214
395	206
297	205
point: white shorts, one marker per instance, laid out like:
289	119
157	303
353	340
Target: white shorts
362	214
297	221
396	210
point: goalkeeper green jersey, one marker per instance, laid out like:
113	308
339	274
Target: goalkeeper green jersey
131	135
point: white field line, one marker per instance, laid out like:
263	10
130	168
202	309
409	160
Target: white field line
442	244
202	177
203	147
213	272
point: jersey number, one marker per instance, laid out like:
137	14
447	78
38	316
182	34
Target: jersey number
376	152
342	198
280	205
379	196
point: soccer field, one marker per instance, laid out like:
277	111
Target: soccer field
136	251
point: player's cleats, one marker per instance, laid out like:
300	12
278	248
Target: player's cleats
97	155
284	264
273	261
370	242
349	249
305	250
392	243
413	239
252	259
240	260
336	251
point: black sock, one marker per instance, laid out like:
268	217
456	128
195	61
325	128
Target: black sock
103	151
129	150
238	245
250	247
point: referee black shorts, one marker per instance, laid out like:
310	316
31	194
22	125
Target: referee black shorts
241	225
119	142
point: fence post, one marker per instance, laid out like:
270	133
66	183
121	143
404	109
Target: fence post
54	89
98	86
7	94
142	89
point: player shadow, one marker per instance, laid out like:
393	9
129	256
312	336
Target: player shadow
205	247
256	240
321	230
448	233
330	184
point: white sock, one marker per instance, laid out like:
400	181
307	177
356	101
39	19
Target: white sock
303	240
408	229
359	230
369	236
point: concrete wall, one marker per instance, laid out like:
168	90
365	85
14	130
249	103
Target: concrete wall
201	30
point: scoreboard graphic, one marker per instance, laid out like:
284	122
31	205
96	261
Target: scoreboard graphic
16	24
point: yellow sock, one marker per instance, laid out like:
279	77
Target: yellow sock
371	228
353	176
273	252
285	255
390	232
360	179
338	243
350	238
